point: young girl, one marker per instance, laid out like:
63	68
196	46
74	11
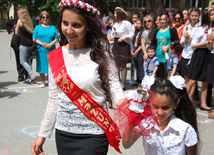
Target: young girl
199	60
178	126
185	41
82	78
173	62
138	53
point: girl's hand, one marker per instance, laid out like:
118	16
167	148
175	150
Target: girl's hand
36	147
164	49
134	55
48	46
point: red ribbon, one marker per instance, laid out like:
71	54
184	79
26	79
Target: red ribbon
82	99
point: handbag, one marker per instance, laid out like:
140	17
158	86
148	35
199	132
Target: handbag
32	52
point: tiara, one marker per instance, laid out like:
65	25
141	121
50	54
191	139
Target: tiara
80	4
119	8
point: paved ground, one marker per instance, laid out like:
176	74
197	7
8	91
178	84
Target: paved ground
22	108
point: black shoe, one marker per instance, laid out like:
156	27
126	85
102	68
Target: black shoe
20	79
205	109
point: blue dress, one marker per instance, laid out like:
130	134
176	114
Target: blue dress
46	35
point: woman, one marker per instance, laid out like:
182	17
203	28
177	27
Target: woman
46	37
187	52
178	23
157	21
122	33
199	60
161	40
145	40
138	53
82	79
25	29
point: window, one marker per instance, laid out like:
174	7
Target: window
137	4
167	3
194	3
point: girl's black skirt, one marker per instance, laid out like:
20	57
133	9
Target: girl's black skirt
121	52
81	144
198	64
210	69
184	67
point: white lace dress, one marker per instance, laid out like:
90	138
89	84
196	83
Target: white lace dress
84	72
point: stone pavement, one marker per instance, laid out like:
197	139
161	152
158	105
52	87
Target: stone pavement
22	108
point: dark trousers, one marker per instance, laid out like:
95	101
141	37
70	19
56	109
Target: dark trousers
22	73
139	66
162	72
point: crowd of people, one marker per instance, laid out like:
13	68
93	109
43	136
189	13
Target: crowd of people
180	44
89	69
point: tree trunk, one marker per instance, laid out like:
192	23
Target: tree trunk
157	6
122	4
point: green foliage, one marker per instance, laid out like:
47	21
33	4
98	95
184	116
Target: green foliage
102	5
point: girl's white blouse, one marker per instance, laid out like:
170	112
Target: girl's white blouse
84	73
124	29
188	50
172	141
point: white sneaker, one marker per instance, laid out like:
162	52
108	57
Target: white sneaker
42	85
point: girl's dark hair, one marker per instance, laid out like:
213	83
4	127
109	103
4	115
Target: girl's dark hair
136	13
95	39
206	18
186	110
178	13
176	46
140	31
195	10
121	15
164	13
155	18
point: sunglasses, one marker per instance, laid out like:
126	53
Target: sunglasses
45	17
177	18
148	21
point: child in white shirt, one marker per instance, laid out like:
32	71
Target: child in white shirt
176	132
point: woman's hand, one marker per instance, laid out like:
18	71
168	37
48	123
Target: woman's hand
120	39
134	55
145	56
36	147
48	46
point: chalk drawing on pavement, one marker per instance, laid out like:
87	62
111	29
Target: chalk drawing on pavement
33	131
3	152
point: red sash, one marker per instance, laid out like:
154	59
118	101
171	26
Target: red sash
82	100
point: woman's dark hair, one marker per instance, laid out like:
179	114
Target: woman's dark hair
147	12
136	13
95	39
195	10
178	13
186	110
176	46
121	15
164	13
140	31
206	18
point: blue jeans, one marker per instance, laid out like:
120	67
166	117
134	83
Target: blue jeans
26	62
132	68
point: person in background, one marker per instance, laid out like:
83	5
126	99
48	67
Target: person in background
156	20
105	18
46	37
137	55
173	62
110	14
185	41
122	33
185	13
25	28
161	40
81	64
109	30
152	63
212	5
178	23
135	17
15	43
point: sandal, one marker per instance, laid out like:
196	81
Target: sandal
211	115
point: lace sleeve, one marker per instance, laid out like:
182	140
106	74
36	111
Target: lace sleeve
115	86
49	120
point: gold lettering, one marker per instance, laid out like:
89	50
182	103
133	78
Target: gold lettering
88	106
94	112
82	100
100	117
106	122
111	129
